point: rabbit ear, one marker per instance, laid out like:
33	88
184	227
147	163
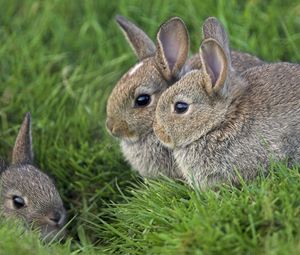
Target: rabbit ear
213	29
215	64
2	164
172	47
141	44
22	152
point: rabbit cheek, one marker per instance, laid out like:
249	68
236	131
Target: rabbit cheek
50	225
162	135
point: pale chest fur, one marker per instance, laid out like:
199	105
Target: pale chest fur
150	158
207	164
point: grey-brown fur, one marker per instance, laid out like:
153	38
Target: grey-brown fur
256	119
43	206
151	158
242	61
141	44
159	70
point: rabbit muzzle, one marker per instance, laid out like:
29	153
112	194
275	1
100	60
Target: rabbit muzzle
119	129
48	233
56	218
162	135
51	225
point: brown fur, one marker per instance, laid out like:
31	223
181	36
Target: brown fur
257	118
141	44
43	206
152	75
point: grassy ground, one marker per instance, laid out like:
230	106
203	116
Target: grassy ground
60	59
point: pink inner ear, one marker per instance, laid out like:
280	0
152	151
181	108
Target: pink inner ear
170	46
213	63
211	75
216	68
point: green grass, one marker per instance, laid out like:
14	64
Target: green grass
27	242
60	60
169	218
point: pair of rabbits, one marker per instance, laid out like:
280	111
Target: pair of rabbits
28	194
209	119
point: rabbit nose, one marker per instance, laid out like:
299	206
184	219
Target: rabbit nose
57	217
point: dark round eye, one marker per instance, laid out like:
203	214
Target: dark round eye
142	100
181	107
18	202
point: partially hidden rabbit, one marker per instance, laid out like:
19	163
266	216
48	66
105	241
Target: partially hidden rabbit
28	194
132	103
221	124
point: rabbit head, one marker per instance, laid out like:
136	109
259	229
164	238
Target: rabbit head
28	194
199	101
132	103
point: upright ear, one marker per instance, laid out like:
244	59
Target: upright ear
2	164
213	29
215	65
141	44
172	48
22	152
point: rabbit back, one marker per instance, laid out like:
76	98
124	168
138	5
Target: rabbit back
262	124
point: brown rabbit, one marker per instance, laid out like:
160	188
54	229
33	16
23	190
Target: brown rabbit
132	103
218	122
28	194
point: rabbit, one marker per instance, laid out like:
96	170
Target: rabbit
28	194
132	103
222	126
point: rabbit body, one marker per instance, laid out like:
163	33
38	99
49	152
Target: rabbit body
147	154
219	122
261	124
159	67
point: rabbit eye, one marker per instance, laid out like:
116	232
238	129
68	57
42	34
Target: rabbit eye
18	202
142	100
181	107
